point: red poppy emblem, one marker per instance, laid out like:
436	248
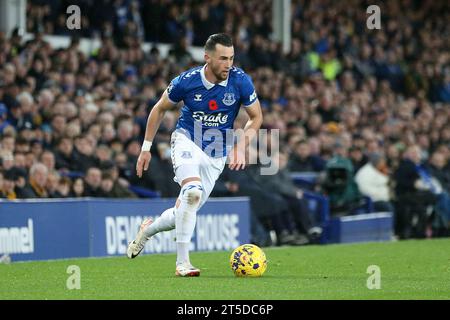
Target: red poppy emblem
213	105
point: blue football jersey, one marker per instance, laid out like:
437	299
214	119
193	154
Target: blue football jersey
209	110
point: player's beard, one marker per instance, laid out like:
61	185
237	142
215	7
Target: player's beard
220	75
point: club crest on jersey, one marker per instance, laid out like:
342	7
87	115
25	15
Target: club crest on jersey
228	99
186	155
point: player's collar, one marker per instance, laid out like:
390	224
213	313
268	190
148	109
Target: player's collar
208	85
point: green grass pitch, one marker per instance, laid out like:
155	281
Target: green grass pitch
409	270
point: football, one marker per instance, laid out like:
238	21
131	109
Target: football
248	260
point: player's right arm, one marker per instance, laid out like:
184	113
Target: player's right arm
153	122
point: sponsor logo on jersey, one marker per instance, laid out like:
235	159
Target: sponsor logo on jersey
252	96
170	87
228	99
210	120
198	97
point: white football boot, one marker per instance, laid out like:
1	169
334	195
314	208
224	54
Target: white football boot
137	245
186	270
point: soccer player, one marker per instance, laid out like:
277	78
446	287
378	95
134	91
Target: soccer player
200	145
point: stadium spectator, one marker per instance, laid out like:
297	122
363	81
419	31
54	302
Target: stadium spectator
440	179
160	169
271	213
36	187
297	208
301	159
8	143
63	188
19	161
107	185
414	197
8	185
339	183
120	186
180	54
84	153
77	189
437	166
103	154
373	181
20	181
48	159
22	146
7	160
92	183
358	158
64	156
52	184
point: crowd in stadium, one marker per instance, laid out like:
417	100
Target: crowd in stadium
373	103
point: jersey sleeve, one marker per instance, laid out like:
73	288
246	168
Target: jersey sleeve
175	90
248	93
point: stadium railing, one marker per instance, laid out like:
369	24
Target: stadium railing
319	207
144	192
305	180
333	229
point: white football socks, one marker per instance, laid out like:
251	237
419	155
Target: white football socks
183	219
186	217
165	222
183	252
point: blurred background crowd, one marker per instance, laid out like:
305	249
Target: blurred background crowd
372	104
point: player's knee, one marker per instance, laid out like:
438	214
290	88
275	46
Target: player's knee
193	196
192	193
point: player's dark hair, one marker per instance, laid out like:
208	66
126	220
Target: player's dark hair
218	38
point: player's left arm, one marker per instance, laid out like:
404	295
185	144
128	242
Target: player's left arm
251	128
254	122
